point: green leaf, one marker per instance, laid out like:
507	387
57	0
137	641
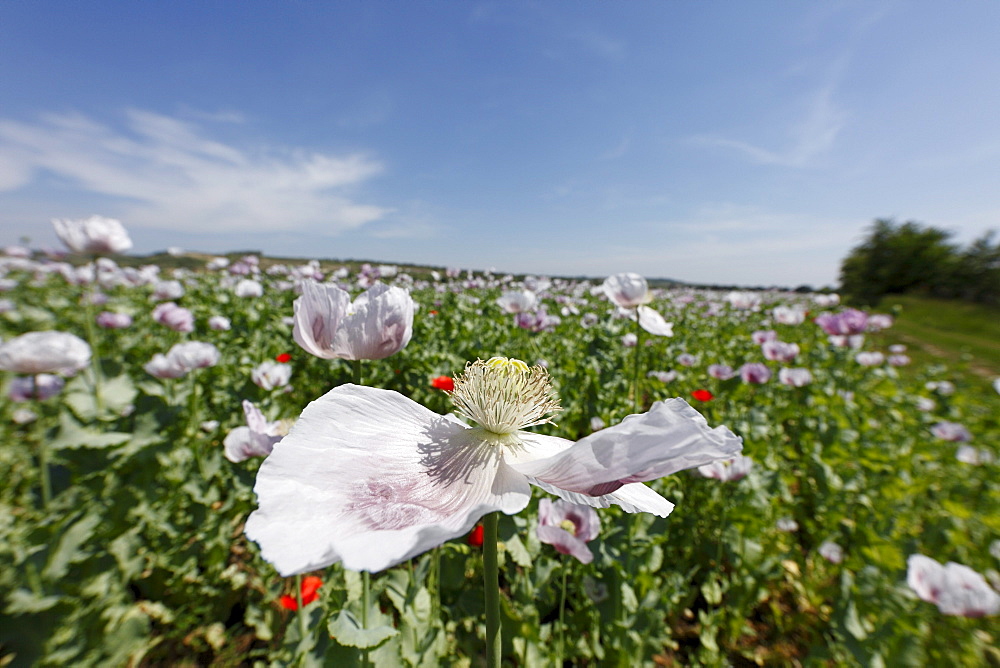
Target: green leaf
346	630
69	549
515	548
74	435
22	601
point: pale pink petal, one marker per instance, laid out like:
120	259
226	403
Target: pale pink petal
565	542
653	322
317	315
925	577
671	437
371	478
634	497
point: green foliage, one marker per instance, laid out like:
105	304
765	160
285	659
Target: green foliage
139	558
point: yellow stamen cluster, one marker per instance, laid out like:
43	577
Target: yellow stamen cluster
567	525
503	395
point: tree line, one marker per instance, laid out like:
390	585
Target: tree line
897	258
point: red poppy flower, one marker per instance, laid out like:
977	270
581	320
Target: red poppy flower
445	383
702	395
310	585
433	312
476	536
284	358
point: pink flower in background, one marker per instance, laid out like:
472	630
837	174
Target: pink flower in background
248	288
687	359
795	377
845	328
831	551
762	336
727	470
721	371
568	527
377	324
370	478
163	367
899	360
954	588
879	321
167	290
630	340
256	439
269	374
111	320
182	358
869	358
742	300
973	456
779	351
789	315
629	291
219	323
44	352
663	376
96	235
755	373
517	302
951	431
39	387
173	316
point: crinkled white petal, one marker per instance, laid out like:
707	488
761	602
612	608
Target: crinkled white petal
371	478
671	437
317	315
380	324
634	497
653	322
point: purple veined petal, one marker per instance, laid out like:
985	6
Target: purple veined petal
924	576
317	314
671	437
380	324
371	478
653	322
965	592
634	497
565	542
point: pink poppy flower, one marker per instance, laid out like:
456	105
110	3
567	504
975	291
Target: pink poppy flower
755	373
111	320
377	324
38	387
256	439
173	316
951	431
727	470
779	351
370	478
795	377
630	292
954	588
568	527
721	371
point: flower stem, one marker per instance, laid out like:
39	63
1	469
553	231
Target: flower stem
43	452
491	590
366	586
95	352
356	371
303	622
636	394
562	616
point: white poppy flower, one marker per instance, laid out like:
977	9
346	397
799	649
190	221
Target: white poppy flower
96	235
370	478
377	324
45	352
631	293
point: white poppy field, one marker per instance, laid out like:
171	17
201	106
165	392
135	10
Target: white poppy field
129	472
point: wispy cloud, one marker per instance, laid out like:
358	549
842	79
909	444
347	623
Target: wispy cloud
814	135
166	173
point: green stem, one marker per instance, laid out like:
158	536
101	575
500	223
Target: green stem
491	590
43	452
356	371
95	352
366	587
562	616
636	390
303	622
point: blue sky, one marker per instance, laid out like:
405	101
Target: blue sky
719	142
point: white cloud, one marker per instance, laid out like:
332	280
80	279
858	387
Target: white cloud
166	173
810	138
